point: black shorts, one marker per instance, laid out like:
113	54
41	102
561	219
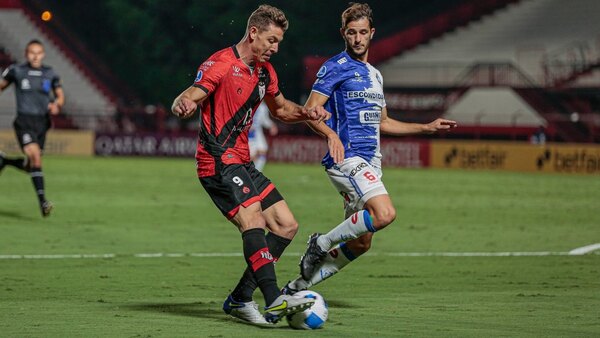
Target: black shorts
31	129
240	185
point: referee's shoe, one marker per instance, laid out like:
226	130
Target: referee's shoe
46	207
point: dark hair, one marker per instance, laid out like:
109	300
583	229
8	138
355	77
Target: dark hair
357	11
34	42
265	15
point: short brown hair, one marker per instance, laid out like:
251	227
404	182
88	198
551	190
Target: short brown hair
265	15
357	11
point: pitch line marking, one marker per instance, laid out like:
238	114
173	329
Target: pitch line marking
589	249
585	249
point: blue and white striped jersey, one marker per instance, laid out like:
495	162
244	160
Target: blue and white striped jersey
355	91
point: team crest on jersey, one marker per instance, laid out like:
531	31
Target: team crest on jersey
322	71
262	78
25	84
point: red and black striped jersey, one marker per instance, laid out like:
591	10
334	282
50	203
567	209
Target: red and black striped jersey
234	92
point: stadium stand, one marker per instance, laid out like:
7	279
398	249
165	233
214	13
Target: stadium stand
530	33
544	51
85	98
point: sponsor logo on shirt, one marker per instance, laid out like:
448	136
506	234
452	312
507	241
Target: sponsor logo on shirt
370	116
342	60
34	73
236	71
364	95
357	77
206	65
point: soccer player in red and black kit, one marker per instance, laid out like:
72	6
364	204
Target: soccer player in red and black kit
229	87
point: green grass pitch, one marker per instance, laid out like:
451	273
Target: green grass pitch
129	206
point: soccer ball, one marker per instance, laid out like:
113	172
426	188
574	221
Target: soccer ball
312	318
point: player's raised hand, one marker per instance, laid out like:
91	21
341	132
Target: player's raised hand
440	124
318	114
184	107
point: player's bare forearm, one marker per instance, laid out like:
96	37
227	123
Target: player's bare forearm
290	112
394	127
59	101
321	129
334	144
398	128
186	103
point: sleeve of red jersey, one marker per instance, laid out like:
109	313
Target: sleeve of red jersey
273	88
209	75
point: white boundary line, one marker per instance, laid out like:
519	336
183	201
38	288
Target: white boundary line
589	249
585	249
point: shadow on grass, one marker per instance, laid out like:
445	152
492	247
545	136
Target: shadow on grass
341	304
15	215
195	309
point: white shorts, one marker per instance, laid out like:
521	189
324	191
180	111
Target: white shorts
257	144
357	181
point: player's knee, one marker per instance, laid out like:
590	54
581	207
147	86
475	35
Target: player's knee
289	228
383	217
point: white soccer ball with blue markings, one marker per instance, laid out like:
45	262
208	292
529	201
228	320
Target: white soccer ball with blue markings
312	318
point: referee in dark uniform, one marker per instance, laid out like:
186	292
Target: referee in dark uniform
39	95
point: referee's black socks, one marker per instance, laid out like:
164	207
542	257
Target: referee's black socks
37	177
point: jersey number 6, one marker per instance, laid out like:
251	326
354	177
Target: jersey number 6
370	176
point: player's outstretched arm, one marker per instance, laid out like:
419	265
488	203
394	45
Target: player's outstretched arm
394	127
336	148
187	102
290	112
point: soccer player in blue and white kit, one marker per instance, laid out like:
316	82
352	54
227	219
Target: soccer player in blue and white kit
257	142
352	90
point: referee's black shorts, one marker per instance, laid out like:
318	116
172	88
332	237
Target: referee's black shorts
240	185
31	129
